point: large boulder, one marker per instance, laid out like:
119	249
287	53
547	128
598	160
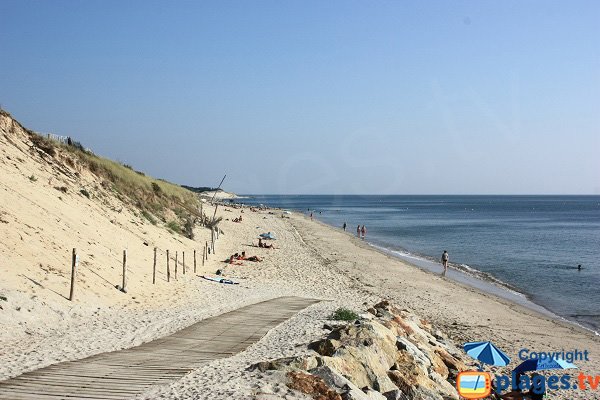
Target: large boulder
335	380
311	385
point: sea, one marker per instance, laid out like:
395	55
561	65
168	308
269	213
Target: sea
526	249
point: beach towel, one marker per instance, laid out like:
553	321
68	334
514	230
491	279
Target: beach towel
220	280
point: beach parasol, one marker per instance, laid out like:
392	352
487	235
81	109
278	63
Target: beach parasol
486	353
268	235
538	364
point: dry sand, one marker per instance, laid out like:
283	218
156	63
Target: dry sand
39	326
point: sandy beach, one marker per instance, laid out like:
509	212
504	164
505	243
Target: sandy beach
39	326
311	260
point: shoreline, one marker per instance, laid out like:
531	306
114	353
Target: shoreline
501	291
470	276
478	280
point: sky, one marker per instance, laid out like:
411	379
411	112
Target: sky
318	97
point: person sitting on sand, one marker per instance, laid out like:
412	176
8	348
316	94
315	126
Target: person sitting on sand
233	258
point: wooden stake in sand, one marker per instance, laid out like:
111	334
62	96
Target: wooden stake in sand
194	261
74	265
124	286
183	259
212	239
168	269
175	265
154	268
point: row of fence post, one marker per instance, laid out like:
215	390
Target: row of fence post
209	248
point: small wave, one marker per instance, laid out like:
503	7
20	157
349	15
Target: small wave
464	268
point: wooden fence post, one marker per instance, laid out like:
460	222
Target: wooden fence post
212	239
203	255
154	268
168	269
176	265
183	257
74	265
194	261
124	286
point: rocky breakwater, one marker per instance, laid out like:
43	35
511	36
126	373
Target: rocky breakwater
388	353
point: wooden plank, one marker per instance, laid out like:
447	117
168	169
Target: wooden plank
126	373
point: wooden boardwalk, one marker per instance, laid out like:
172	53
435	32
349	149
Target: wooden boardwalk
126	373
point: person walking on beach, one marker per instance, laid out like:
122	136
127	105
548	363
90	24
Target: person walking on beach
358	231
445	258
344	227
363	230
311	216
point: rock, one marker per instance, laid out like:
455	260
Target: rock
311	385
374	395
447	390
335	380
331	377
395	395
415	385
286	364
453	364
366	353
421	359
325	347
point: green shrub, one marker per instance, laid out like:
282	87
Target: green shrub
149	217
43	144
174	226
188	228
344	314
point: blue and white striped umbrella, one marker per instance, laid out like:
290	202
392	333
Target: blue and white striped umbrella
486	353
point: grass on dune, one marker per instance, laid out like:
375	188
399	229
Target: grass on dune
174	205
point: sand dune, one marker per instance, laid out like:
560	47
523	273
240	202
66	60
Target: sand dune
38	325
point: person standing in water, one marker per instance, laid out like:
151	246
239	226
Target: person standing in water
445	258
344	226
358	231
364	232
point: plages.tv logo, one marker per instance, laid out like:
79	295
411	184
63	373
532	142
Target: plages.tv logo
474	384
480	384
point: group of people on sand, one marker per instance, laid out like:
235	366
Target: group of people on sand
237	219
264	245
242	257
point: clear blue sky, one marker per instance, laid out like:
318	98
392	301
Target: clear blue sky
402	97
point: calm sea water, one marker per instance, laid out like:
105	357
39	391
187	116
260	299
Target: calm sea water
531	243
